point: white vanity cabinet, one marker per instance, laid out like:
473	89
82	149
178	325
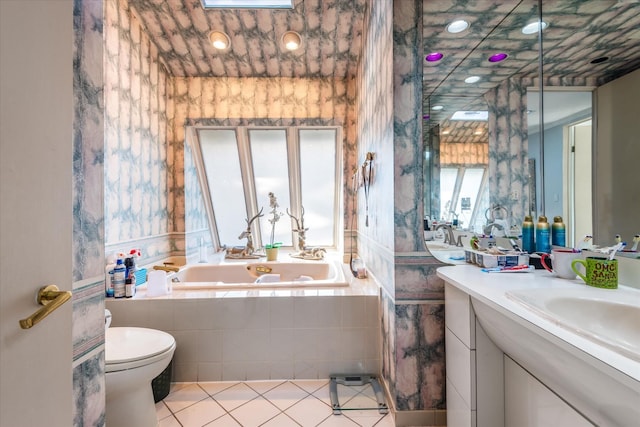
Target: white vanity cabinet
471	358
508	367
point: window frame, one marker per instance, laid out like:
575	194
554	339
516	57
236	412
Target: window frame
292	133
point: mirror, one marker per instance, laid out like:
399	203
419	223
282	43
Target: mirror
578	37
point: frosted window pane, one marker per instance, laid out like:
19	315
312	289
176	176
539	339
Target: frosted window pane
271	174
447	185
470	189
222	166
317	173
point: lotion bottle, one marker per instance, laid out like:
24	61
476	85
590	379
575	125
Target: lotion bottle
558	232
543	238
528	232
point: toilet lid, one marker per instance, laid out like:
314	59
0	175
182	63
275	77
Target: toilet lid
130	344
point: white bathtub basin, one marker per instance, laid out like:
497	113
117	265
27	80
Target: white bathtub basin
608	317
249	275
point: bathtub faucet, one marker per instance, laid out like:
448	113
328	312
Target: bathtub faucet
166	268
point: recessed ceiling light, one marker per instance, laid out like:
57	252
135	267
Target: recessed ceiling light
498	57
248	4
434	57
472	79
478	132
446	132
219	40
471	115
457	26
437	107
534	27
600	60
291	40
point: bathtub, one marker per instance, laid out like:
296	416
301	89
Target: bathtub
260	275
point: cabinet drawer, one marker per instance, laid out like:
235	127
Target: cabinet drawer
459	315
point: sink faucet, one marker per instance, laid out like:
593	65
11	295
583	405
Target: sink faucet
488	229
448	237
166	268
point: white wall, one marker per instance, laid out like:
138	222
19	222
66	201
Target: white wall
616	159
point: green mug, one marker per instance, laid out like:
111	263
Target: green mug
599	272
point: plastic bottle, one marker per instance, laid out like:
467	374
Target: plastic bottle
108	277
130	277
528	233
558	232
119	278
543	238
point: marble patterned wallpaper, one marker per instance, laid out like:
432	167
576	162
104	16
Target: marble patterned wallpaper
88	214
137	123
390	124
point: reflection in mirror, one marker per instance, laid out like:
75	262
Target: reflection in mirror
568	163
587	44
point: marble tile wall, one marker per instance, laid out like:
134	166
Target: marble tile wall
390	124
88	214
137	122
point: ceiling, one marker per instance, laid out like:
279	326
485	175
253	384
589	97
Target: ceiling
578	32
332	31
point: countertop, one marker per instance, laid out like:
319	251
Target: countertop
491	289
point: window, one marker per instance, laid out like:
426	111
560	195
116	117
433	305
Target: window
464	193
239	166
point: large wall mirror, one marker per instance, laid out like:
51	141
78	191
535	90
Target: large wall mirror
485	117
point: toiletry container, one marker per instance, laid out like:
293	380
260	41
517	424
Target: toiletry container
528	232
543	237
130	277
108	276
558	232
119	277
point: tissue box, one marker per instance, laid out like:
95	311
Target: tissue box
141	276
486	260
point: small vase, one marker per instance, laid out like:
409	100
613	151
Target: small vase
272	254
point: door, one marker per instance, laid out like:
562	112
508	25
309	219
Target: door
36	116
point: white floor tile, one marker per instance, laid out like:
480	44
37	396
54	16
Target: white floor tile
235	396
215	387
162	411
337	421
264	386
311	385
200	413
368	418
225	421
184	396
281	420
169	422
286	395
309	411
255	413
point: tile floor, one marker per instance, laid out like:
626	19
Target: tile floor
284	403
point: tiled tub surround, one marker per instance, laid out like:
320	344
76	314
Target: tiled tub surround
263	334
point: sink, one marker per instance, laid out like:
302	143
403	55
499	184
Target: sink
608	317
448	254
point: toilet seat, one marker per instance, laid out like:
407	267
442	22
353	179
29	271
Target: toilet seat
129	348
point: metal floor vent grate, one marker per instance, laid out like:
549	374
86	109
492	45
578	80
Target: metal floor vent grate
357	381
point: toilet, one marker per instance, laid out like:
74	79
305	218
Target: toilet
133	358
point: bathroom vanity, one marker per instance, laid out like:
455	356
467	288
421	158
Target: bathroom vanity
528	349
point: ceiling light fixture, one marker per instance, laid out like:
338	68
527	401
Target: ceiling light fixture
534	27
437	107
457	26
434	57
498	57
472	79
219	40
291	40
